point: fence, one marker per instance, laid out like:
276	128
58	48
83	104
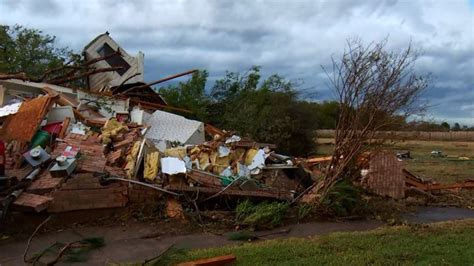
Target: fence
413	135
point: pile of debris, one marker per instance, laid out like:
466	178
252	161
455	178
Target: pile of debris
115	143
49	143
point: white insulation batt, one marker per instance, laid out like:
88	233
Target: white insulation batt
167	128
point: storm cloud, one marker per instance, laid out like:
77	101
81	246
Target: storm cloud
291	38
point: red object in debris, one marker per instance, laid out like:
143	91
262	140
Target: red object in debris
71	151
53	128
2	158
122	117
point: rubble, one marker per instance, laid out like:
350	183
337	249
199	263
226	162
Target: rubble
83	137
115	144
162	151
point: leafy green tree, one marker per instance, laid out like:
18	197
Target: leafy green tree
190	95
456	127
325	113
270	112
445	125
31	51
234	84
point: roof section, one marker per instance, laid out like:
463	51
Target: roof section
103	45
94	40
170	127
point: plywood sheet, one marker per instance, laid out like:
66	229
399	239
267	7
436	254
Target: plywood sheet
23	125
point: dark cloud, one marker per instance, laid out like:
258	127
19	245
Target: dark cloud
44	8
291	39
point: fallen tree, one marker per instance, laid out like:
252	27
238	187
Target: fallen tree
375	87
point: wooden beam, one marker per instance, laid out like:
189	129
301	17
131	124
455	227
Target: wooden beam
214	261
159	81
155	106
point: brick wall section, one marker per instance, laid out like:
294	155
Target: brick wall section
92	158
83	192
45	183
115	171
385	177
20	172
143	196
277	179
27	202
204	178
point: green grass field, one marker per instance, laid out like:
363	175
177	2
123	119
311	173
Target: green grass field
443	170
448	243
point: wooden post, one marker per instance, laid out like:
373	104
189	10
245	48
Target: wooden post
2	95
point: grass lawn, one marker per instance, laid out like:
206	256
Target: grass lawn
448	243
443	170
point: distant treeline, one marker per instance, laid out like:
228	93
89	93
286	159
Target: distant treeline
269	110
413	135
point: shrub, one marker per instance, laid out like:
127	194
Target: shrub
262	215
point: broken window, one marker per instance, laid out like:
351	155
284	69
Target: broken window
114	61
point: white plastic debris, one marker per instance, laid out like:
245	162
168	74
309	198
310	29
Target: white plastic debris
223	151
227	171
364	173
187	162
258	162
79	128
9	109
232	139
172	166
243	170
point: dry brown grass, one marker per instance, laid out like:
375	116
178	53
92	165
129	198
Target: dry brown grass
445	170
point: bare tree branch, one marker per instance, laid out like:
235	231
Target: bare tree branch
375	89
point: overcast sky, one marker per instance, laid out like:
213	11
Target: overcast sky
291	38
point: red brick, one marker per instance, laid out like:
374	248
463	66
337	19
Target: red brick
28	201
106	197
45	185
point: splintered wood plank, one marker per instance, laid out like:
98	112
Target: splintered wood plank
23	125
214	261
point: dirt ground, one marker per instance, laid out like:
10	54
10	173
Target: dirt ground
458	165
136	242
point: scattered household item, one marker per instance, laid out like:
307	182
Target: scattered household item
53	128
63	167
437	154
79	128
403	154
36	156
42	138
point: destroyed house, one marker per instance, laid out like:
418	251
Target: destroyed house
110	144
127	81
104	45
